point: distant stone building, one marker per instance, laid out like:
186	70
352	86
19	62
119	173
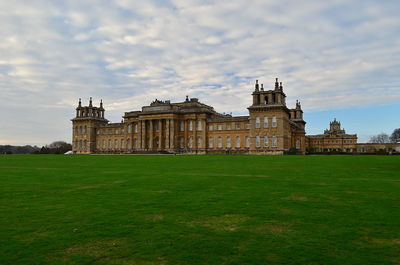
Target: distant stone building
333	139
194	128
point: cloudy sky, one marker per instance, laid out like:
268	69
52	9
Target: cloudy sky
339	58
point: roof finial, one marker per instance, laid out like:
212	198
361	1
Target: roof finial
101	103
262	87
276	84
280	87
80	103
90	102
256	86
187	98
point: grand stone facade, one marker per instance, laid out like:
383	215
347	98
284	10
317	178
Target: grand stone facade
334	139
194	128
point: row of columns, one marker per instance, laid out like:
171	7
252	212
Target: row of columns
167	134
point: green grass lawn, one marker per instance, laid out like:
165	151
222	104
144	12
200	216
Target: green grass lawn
199	209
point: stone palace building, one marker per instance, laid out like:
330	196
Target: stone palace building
193	127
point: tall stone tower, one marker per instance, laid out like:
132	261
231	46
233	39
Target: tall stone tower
271	128
84	127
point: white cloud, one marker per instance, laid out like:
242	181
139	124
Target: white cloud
129	52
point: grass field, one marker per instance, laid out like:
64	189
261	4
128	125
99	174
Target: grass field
199	209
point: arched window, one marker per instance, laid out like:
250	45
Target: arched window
211	127
258	143
247	141
228	142
257	122
182	126
136	128
266	99
265	140
115	144
237	142
219	142
130	128
265	122
199	125
274	123
190	125
199	142
211	142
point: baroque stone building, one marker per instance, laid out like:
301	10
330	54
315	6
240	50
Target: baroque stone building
194	127
333	139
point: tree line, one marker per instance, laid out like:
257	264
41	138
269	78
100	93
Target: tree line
57	147
383	138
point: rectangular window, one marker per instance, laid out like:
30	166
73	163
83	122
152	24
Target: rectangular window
219	127
265	122
191	142
199	125
181	142
257	122
190	125
228	142
247	141
237	126
274	141
211	142
199	142
182	126
136	128
237	142
130	128
219	142
211	127
157	125
258	141
228	126
274	123
266	141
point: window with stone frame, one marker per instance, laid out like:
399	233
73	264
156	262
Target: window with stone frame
228	126
199	142
135	128
258	141
130	128
199	125
228	142
182	126
274	141
237	141
237	126
181	142
219	141
274	122
191	142
211	142
247	141
265	122
219	127
266	140
190	125
211	127
157	125
257	122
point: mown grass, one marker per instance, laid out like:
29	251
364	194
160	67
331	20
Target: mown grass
199	209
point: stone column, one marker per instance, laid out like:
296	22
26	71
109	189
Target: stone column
151	134
160	138
167	128
186	128
144	135
204	135
172	135
195	134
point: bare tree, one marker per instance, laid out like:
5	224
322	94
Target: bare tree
395	137
380	138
